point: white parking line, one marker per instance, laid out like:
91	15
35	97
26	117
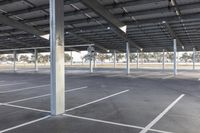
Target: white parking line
144	75
152	123
27	108
113	123
168	77
98	100
31	98
147	128
25	70
12	84
25	124
5	70
34	109
28	88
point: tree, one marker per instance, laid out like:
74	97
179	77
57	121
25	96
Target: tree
146	57
46	59
119	57
108	57
185	57
101	57
24	58
68	57
10	58
133	57
3	58
40	58
198	56
170	56
158	56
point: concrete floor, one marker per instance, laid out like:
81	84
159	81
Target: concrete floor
145	101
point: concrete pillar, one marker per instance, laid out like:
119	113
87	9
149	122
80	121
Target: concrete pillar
114	60
91	66
71	61
138	57
36	59
127	57
175	56
94	62
57	57
14	60
163	60
194	58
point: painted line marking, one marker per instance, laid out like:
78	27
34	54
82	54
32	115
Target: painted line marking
168	77
28	88
90	119
98	100
152	123
25	124
25	70
83	118
31	98
27	108
112	123
12	84
5	70
152	74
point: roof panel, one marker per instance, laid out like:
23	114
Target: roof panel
144	19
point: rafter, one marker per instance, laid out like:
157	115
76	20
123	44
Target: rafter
172	33
117	26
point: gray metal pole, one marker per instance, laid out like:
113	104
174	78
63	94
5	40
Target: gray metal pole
127	57
138	56
71	62
94	62
91	66
114	58
14	60
57	57
175	56
36	59
163	61
194	58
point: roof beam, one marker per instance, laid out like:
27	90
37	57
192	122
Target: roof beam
116	25
101	11
173	34
74	49
88	41
16	24
5	2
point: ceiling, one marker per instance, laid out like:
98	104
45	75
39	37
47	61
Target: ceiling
151	24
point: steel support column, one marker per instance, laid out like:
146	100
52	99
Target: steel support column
127	57
94	62
114	59
138	56
175	56
36	59
14	60
194	58
91	66
163	60
57	57
71	61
